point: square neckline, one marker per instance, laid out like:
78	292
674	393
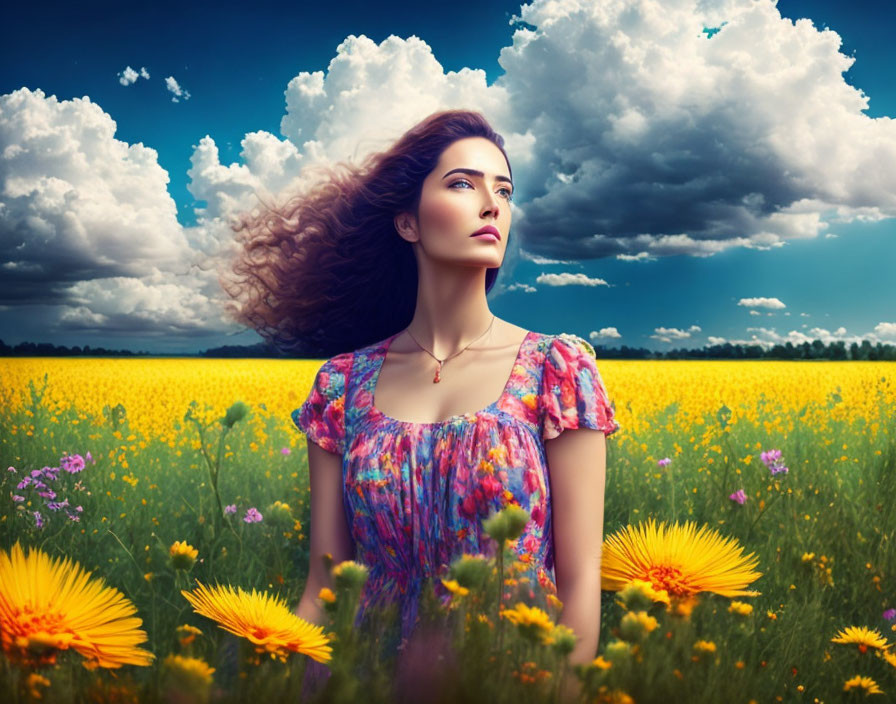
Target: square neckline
382	350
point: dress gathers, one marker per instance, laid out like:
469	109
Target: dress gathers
416	494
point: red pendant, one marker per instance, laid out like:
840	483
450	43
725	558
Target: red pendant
438	376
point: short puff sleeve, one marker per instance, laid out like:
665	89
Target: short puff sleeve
322	416
573	394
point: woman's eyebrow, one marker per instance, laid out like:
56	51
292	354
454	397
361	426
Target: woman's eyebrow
474	172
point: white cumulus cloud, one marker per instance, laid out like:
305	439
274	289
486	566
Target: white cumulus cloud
609	333
568	279
664	334
771	303
174	87
645	124
129	75
87	224
631	132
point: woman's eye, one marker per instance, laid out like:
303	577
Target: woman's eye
509	195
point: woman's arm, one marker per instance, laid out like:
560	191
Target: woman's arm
329	528
577	461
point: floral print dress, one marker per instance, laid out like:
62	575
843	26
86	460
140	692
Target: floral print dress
416	494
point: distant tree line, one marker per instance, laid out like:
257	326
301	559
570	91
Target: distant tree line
46	349
806	350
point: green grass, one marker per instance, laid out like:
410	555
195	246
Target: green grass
842	509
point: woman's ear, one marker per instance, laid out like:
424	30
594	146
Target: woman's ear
406	226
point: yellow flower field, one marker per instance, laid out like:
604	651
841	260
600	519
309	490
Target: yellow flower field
156	392
747	557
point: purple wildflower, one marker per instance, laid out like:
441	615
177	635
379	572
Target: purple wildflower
253	516
773	461
37	472
739	496
230	509
11	469
665	461
17	498
25	482
78	509
890	615
90	458
770	456
38	521
56	505
48	494
285	451
72	516
72	463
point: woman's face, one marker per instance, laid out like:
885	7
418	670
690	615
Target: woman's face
469	189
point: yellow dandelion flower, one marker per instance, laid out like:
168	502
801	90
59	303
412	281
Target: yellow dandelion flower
740	608
326	594
193	672
48	605
600	663
264	620
532	621
864	683
863	637
183	555
888	656
705	646
678	559
455	588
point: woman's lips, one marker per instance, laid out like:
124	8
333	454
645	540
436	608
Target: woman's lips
488	230
487	236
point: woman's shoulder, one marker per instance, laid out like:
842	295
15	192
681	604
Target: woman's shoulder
569	342
338	364
576	341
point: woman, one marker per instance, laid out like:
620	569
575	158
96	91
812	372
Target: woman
430	413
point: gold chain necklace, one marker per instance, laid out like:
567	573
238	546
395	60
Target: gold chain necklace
438	377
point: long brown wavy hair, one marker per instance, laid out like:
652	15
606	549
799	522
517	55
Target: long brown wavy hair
327	272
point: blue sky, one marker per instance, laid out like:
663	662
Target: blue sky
731	189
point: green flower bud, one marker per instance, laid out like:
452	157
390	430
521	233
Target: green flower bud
470	571
635	625
563	639
350	575
506	524
617	651
235	413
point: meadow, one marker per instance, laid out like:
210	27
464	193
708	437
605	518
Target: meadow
767	576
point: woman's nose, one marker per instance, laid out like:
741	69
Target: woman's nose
492	206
